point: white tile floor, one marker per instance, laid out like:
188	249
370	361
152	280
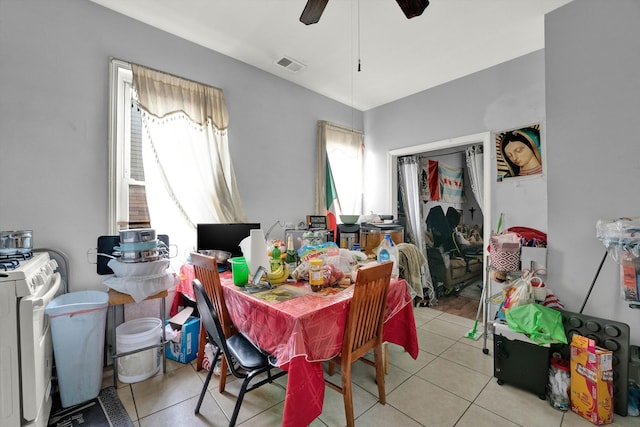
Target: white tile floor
450	384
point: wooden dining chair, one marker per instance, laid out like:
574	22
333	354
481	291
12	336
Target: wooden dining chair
363	332
250	361
206	271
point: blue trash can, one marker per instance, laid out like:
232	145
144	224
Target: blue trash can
78	321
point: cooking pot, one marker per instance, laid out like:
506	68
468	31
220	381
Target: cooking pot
16	242
140	256
137	235
220	255
152	250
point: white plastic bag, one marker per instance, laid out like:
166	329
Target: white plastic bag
141	287
138	269
519	292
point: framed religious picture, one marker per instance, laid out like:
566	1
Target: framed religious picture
518	152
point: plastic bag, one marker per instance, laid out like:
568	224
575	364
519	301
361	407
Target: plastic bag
141	287
138	269
541	324
519	292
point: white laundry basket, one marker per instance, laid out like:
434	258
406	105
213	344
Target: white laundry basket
78	321
134	335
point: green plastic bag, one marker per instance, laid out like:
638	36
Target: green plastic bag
541	324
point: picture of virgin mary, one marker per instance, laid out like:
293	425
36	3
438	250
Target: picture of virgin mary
518	152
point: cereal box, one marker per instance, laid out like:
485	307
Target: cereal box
591	380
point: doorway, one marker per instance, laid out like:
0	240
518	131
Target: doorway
449	145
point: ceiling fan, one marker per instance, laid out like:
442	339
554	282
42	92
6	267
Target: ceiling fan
314	8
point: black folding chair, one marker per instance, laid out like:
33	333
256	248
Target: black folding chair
249	360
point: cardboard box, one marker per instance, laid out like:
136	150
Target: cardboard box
629	279
591	381
184	348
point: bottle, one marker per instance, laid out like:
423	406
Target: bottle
275	257
384	249
388	251
290	259
316	280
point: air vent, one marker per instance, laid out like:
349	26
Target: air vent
290	64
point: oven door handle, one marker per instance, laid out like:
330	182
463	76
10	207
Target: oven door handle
39	302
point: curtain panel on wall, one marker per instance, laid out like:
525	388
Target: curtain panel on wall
410	176
189	173
475	168
339	163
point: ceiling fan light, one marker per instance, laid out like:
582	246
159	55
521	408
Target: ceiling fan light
413	8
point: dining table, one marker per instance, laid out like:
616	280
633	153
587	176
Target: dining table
301	329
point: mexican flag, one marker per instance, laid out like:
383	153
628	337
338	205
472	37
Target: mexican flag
333	202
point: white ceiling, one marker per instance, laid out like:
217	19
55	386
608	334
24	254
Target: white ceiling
398	57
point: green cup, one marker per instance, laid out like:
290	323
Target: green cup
239	271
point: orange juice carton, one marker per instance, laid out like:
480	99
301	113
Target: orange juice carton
591	380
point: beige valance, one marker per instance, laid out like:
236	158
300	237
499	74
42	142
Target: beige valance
162	94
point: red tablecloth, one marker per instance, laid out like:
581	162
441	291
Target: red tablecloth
304	331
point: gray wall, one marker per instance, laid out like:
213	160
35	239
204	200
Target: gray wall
593	109
506	96
53	123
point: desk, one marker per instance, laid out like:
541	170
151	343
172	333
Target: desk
305	331
117	298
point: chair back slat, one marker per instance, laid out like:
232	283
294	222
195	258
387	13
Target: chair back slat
206	271
366	314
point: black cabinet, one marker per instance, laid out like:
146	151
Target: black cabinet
520	362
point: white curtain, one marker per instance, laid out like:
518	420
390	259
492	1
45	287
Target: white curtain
476	171
188	170
344	149
409	170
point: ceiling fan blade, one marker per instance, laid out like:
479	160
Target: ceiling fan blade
412	8
313	11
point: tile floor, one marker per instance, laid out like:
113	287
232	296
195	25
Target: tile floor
450	384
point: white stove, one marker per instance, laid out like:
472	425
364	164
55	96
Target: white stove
26	350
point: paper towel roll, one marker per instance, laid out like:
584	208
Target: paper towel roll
245	247
254	249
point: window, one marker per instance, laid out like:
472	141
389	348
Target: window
127	195
339	180
167	140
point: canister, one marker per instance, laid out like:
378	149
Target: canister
316	279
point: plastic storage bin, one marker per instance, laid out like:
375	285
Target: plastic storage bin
134	335
78	322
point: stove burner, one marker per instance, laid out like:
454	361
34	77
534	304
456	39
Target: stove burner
9	264
21	256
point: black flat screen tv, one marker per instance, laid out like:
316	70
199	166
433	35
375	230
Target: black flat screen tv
225	237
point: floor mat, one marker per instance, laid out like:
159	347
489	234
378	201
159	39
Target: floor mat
106	410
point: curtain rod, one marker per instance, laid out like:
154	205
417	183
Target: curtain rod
343	128
130	63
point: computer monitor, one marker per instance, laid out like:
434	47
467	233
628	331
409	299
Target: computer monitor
225	237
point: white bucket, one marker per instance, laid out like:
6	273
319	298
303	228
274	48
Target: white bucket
133	335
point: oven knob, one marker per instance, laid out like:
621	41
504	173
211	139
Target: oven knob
47	269
38	280
53	263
